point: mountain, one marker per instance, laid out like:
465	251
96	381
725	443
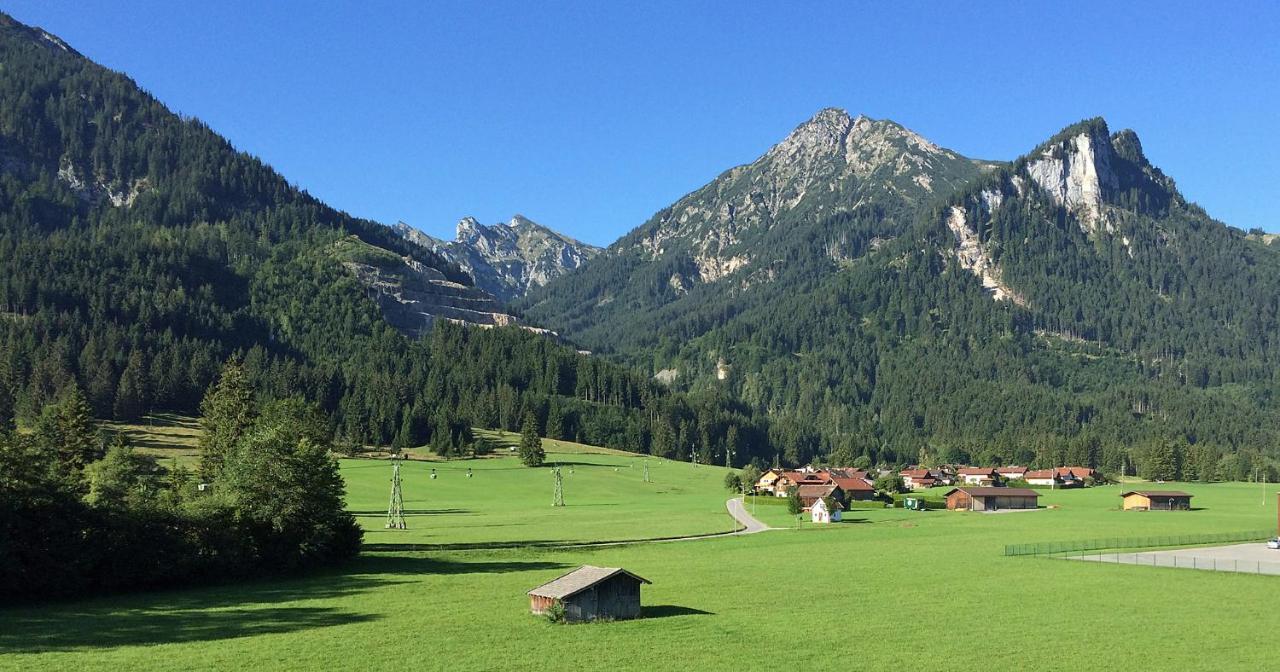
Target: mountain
507	260
1070	305
139	251
833	190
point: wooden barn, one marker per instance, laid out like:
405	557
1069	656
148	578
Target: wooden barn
589	593
1156	500
991	499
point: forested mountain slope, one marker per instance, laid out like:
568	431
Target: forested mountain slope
1070	306
834	189
139	250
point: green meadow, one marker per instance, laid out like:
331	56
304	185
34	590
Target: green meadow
885	589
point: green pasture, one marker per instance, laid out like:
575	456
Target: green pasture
886	589
503	502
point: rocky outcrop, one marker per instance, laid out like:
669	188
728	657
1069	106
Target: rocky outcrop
412	295
974	256
507	260
830	164
1078	176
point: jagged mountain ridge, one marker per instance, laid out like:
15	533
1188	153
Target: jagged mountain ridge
509	259
835	189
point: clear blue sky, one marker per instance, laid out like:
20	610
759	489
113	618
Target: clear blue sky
590	116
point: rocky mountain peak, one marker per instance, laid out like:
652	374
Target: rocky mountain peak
468	227
1085	168
507	259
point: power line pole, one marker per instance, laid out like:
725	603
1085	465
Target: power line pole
395	511
558	498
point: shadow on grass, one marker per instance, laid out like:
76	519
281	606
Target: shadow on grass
93	628
404	564
223	612
669	610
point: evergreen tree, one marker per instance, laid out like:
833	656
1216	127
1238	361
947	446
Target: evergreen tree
531	452
225	415
555	422
131	393
1159	461
78	439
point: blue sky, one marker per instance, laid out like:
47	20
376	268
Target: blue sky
591	116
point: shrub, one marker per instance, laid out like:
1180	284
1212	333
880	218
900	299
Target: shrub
555	613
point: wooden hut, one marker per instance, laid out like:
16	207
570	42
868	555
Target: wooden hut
1156	500
991	499
589	593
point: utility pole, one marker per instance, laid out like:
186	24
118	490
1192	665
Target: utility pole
558	498
395	512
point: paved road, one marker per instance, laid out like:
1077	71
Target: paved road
739	512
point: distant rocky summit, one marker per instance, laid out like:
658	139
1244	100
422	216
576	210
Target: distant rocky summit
507	260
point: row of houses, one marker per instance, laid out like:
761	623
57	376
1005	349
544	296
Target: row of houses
839	484
1062	477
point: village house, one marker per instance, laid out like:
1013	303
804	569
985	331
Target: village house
589	593
979	476
918	479
790	479
1156	500
819	513
767	481
812	493
1011	473
1077	473
855	484
991	499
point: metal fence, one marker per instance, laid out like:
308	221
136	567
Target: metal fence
1181	561
1120	543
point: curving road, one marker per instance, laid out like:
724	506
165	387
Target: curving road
750	525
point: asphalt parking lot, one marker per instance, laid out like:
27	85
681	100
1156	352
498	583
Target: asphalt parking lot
1250	558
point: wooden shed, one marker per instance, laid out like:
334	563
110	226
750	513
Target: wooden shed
991	499
589	593
1156	500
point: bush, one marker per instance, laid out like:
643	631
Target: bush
555	613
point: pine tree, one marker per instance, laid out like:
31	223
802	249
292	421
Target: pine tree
225	415
78	438
531	452
131	393
555	422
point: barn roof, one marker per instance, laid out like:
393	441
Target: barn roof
1157	493
995	492
815	491
579	580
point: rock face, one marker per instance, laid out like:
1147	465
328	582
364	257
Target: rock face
507	260
1085	169
832	163
413	295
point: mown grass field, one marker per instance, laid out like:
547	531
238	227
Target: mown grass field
503	502
887	589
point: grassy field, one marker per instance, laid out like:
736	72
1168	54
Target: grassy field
503	502
886	589
171	439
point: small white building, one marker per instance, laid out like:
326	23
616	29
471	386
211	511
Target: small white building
818	513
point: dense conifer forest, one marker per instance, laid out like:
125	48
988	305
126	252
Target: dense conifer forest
140	251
